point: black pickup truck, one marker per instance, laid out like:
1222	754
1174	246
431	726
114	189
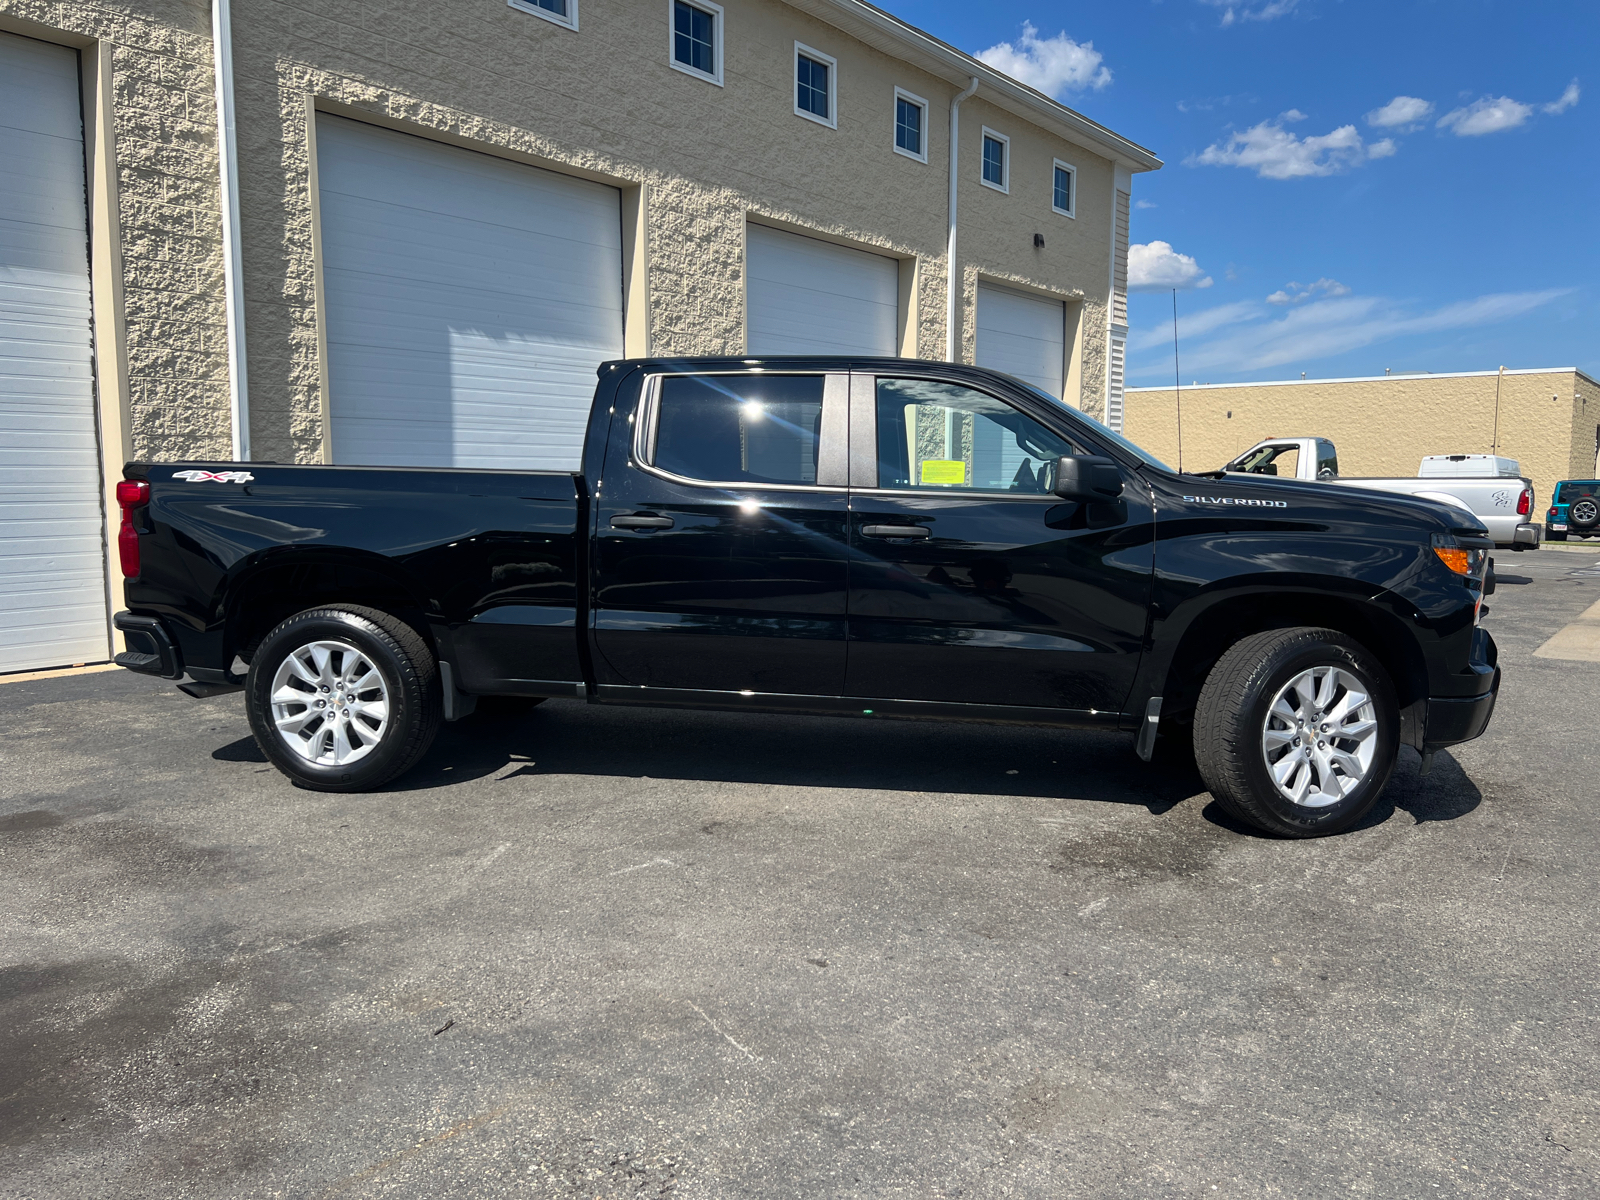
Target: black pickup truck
869	538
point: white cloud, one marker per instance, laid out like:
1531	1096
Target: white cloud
1052	65
1568	99
1299	293
1254	339
1158	267
1403	112
1274	153
1489	115
1233	10
1145	204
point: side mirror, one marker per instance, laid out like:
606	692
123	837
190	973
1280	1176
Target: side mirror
1267	469
1087	477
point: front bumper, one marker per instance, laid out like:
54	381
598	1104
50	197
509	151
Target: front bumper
1452	720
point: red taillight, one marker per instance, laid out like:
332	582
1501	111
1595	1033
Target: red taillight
131	494
1525	504
1552	512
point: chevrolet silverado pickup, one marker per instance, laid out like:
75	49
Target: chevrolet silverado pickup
879	539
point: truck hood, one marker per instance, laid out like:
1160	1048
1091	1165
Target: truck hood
1386	508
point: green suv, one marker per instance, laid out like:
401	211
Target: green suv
1574	509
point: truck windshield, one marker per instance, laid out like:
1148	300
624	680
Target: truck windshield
1100	430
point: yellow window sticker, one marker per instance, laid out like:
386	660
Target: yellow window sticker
944	470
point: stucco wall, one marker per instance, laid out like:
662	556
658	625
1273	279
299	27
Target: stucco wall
1383	426
164	137
603	102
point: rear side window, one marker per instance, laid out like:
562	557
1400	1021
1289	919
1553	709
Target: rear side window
942	437
739	428
1568	492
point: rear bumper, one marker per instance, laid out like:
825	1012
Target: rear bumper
151	651
1527	537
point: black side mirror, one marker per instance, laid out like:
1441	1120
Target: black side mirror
1267	469
1088	478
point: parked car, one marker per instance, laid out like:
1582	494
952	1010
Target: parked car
874	539
1489	486
1574	510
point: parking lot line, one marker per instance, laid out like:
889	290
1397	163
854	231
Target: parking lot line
1579	641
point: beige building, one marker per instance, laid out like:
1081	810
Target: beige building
440	217
1546	419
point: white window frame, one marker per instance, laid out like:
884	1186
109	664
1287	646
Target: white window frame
1005	162
911	98
570	21
832	119
1073	172
714	11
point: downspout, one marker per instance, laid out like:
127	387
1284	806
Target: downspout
952	284
232	280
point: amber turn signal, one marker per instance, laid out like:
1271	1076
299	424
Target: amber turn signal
1457	559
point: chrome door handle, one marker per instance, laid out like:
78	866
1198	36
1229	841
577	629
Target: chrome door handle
641	521
897	531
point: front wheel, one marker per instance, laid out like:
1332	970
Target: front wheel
343	699
1296	731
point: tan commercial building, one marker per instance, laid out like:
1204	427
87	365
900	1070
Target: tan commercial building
440	217
1548	420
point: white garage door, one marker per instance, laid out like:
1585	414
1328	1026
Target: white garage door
52	549
1022	335
805	296
469	301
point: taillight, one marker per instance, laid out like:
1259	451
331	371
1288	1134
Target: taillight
131	494
1552	512
1525	504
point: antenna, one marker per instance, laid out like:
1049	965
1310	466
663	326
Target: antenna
1494	440
1177	381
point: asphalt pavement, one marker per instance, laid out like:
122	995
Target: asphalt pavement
608	952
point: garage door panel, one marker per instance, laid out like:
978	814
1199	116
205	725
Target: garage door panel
52	550
469	301
1022	335
807	296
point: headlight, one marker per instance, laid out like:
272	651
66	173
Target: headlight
1452	554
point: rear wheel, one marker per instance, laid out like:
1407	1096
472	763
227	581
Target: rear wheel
1584	514
343	699
1296	731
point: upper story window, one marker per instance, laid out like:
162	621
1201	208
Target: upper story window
996	160
815	86
697	39
910	125
562	12
1064	189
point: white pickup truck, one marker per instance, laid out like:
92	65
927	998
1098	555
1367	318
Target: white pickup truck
1490	487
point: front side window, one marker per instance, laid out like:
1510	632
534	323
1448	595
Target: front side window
697	39
1064	191
814	85
562	12
910	125
996	148
941	437
747	429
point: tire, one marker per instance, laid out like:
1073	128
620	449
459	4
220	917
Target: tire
1246	716
1583	514
387	725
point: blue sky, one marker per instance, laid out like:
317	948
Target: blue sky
1406	184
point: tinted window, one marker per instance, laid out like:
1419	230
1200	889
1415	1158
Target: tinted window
941	437
740	428
1568	492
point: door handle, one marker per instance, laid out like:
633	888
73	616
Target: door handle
640	521
897	531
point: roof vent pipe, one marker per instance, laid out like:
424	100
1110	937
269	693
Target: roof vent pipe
232	280
952	284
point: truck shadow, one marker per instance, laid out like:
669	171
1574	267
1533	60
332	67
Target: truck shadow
569	738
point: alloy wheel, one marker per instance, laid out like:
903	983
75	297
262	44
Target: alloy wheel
1320	736
330	704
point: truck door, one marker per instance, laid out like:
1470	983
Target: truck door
970	582
720	536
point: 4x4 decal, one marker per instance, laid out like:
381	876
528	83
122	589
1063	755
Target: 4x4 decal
214	476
